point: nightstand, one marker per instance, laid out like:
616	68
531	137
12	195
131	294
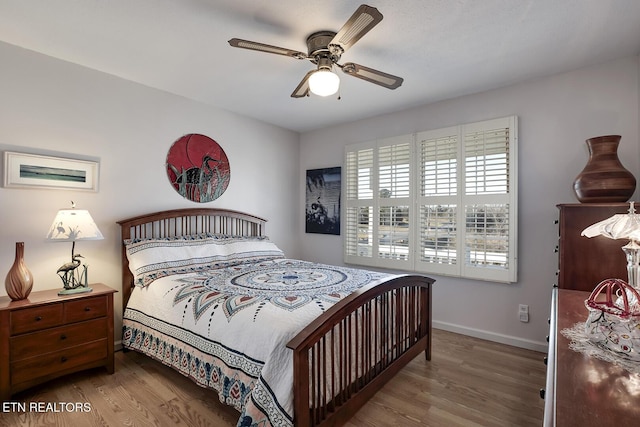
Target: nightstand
46	336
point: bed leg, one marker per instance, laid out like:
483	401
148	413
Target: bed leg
428	316
427	351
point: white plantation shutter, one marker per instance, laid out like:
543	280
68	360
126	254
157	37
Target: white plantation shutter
438	160
394	201
360	170
440	201
438	239
393	170
490	200
487	235
378	202
359	199
487	161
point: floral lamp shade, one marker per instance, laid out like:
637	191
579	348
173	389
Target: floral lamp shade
198	168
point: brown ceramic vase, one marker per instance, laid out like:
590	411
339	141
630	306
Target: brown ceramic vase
19	280
604	179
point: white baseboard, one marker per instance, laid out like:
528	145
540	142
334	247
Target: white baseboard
117	345
492	336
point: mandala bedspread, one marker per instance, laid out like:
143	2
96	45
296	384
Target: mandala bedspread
228	328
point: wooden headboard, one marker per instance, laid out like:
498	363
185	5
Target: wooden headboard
183	222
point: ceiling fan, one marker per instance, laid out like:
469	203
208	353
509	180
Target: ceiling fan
325	49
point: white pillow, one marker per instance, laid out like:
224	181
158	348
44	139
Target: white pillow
150	259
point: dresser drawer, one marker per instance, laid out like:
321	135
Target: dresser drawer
37	343
67	359
36	318
85	309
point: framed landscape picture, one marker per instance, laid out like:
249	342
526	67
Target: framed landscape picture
322	206
22	170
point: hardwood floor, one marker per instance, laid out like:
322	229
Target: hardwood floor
468	382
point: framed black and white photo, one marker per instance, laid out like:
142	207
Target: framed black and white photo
22	170
322	206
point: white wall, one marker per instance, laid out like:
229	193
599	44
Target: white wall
49	106
53	107
556	115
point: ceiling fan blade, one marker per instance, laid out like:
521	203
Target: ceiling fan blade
261	47
363	20
303	88
374	76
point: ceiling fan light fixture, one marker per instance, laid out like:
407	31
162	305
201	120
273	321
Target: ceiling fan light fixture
324	82
325	49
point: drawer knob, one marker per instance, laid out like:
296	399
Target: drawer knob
542	393
63	359
546	360
38	318
63	337
87	309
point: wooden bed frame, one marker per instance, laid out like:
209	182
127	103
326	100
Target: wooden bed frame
348	353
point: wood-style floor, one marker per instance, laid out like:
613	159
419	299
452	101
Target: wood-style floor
468	382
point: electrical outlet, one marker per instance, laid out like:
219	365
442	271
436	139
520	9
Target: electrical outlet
523	313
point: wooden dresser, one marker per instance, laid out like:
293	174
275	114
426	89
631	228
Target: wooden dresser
46	336
581	390
584	262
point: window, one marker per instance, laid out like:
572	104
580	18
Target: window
441	201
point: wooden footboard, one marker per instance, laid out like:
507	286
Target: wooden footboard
355	347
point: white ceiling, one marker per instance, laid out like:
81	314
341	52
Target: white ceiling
442	48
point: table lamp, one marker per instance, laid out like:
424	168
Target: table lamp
72	225
622	226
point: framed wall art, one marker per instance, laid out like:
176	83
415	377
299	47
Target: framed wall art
198	168
23	170
322	209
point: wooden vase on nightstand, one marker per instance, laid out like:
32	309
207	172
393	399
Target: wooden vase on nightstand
19	280
604	179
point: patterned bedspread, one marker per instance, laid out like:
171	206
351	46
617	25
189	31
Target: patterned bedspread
227	328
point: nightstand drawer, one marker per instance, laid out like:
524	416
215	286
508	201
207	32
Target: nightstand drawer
85	309
67	359
37	343
36	318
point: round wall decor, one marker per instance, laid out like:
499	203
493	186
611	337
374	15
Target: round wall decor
198	168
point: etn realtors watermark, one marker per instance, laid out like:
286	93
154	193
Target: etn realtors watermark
50	407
